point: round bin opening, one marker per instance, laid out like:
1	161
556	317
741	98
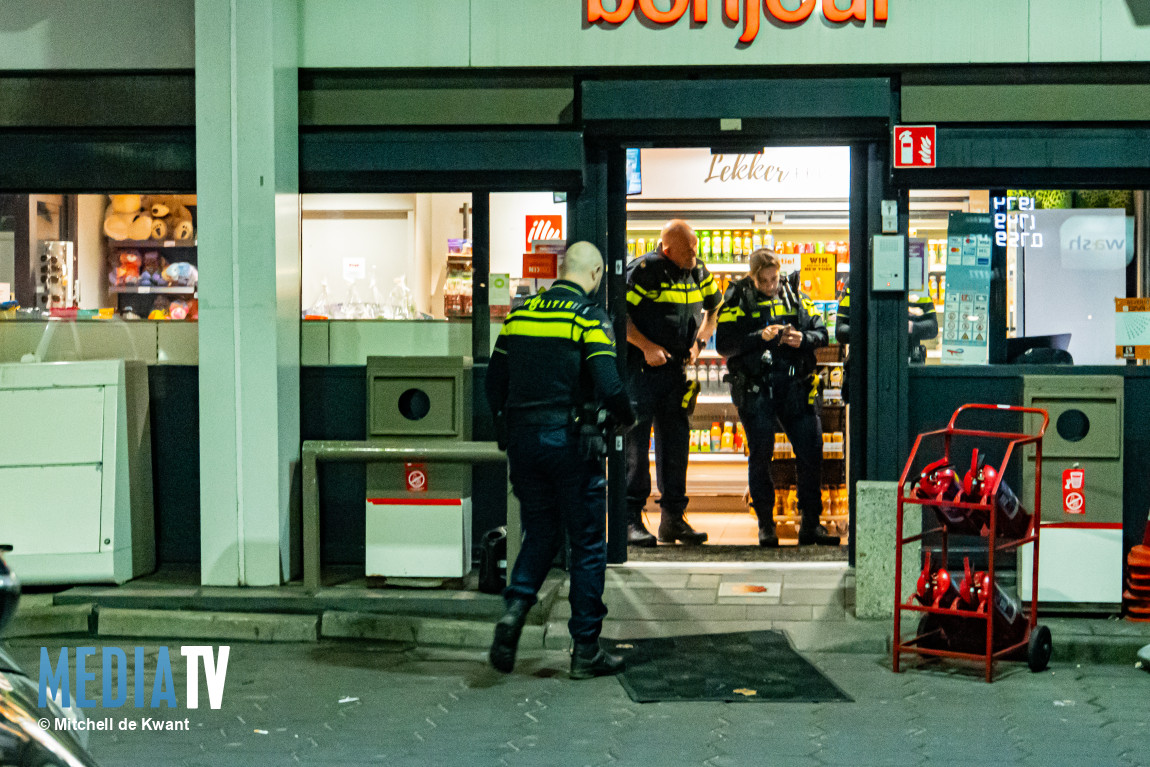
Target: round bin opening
414	404
1073	426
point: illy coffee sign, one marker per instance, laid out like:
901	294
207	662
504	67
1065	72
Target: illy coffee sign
750	13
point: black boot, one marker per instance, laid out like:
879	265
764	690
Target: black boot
674	528
768	539
589	660
637	534
507	631
819	536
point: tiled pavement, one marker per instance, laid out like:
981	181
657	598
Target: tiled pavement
346	703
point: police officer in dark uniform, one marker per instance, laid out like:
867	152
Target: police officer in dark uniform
921	325
553	380
769	332
672	309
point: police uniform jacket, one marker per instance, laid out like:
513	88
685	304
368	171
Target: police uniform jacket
747	310
923	319
555	353
666	304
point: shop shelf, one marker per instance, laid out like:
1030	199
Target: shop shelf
713	457
714	399
725	268
152	243
157	290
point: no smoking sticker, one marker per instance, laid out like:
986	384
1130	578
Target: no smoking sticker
1074	491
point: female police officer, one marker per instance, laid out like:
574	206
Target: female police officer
769	334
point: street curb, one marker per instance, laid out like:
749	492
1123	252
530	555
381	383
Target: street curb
186	624
50	620
429	632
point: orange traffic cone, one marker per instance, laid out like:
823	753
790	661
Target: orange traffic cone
1136	598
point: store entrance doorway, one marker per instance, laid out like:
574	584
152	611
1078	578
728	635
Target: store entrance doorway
796	202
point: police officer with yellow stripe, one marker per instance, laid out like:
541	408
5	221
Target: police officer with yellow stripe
921	325
553	380
672	308
769	332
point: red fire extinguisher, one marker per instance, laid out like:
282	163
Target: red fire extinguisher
1012	520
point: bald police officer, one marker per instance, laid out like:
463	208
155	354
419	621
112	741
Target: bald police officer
553	380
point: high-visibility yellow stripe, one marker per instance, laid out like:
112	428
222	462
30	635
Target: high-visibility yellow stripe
633	298
596	354
596	336
542	314
731	314
679	296
534	329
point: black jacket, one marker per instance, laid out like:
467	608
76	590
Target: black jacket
746	311
666	303
556	353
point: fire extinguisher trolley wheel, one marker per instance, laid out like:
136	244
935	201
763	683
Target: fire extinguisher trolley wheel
972	623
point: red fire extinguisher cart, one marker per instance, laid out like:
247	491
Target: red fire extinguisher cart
974	618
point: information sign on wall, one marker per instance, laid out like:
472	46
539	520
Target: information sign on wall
914	146
543	228
818	276
1132	328
966	315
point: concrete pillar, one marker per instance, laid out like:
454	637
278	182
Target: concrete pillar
876	515
247	179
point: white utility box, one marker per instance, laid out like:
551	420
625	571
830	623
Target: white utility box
76	471
418	537
1077	564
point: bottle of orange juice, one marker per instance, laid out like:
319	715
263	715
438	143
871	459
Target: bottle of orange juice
727	440
716	436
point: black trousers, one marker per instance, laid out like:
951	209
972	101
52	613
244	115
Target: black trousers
761	413
657	395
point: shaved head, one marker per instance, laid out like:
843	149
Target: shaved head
583	265
679	243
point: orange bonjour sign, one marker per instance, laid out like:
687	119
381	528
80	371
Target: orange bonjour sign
748	10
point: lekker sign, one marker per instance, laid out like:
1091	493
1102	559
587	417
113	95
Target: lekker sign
751	13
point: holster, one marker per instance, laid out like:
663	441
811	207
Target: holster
592	426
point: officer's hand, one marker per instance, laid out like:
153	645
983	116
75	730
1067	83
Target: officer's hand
792	337
910	326
770	332
694	354
656	356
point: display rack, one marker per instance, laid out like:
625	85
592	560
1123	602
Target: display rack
141	299
977	621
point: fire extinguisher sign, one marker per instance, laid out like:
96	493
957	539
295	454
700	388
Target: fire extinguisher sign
915	146
1074	491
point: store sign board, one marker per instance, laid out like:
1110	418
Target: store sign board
781	173
749	14
1132	328
543	228
818	276
915	146
540	266
966	314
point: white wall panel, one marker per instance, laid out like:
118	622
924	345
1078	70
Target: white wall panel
393	33
84	34
1064	32
1125	30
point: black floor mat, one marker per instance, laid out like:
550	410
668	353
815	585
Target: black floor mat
743	666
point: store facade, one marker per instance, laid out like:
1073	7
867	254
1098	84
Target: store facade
485	98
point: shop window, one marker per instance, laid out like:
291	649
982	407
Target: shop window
1069	255
409	256
99	257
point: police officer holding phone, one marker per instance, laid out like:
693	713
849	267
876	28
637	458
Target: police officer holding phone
769	332
553	381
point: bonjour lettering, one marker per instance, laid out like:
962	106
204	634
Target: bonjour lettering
747	11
